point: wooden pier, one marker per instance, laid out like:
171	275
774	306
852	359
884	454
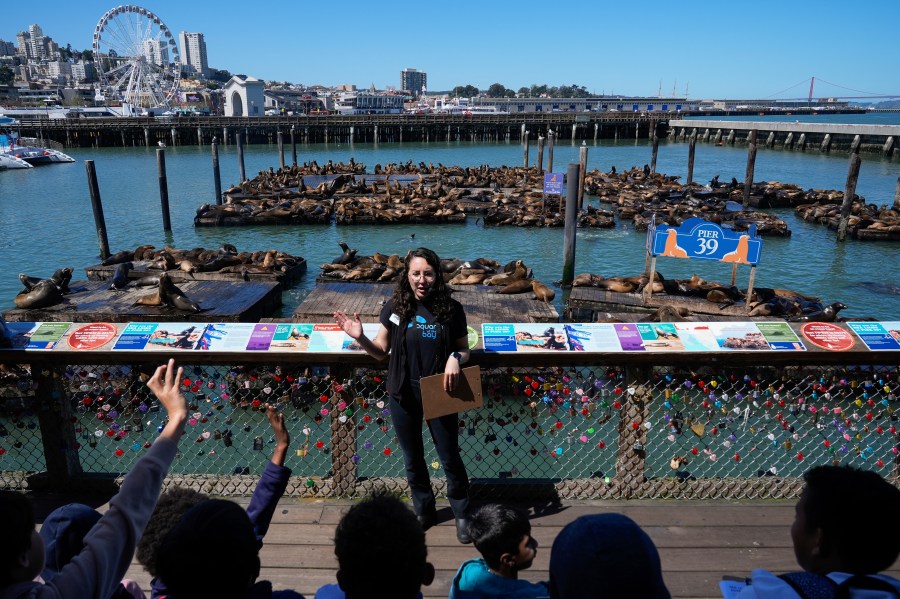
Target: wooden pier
220	301
823	137
586	302
481	303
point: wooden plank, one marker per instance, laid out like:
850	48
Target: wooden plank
221	301
141	269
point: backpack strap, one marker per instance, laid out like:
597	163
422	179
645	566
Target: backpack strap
863	582
811	586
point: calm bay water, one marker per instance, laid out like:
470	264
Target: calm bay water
46	220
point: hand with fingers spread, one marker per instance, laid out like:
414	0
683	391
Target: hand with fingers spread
351	326
166	386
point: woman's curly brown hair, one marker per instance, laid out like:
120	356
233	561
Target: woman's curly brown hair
438	301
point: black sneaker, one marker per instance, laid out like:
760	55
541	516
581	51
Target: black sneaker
428	520
462	531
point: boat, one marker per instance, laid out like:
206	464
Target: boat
16	152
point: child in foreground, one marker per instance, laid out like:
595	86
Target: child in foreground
99	567
503	537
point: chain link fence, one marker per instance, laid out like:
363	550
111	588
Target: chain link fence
568	432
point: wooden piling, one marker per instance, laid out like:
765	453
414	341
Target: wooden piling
240	150
525	150
199	136
770	141
294	145
217	177
751	165
897	195
540	160
97	206
163	188
655	150
854	145
571	223
849	193
582	165
692	149
550	136
281	149
147	136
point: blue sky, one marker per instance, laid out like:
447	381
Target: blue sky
722	49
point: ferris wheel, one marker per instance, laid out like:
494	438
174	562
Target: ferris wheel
136	57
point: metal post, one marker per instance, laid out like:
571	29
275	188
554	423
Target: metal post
163	188
217	178
751	165
97	205
240	149
568	272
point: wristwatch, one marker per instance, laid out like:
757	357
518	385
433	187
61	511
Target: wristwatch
456	355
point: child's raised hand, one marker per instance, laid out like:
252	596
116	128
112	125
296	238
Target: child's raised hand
282	435
165	385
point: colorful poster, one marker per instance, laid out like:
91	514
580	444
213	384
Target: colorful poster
738	336
540	336
696	336
629	337
827	336
229	336
878	336
19	333
660	336
780	336
261	336
498	337
47	335
175	335
370	329
592	336
91	336
135	336
291	337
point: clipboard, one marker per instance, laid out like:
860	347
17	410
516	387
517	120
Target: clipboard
468	394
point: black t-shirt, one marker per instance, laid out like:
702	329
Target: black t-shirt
424	338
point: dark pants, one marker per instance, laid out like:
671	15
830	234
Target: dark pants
407	418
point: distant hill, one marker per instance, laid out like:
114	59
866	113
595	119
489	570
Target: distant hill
887	104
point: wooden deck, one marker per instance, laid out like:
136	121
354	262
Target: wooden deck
585	301
698	541
141	269
482	303
221	301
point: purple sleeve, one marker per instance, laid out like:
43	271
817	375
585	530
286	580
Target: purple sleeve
269	489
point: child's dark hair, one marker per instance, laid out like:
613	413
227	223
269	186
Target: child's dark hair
833	490
380	548
172	505
17	524
497	529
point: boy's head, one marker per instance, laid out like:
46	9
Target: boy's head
502	535
605	555
63	533
827	540
172	505
21	551
213	536
380	548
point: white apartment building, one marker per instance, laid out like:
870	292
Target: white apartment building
193	54
156	52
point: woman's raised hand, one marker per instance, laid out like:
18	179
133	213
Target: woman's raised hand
351	326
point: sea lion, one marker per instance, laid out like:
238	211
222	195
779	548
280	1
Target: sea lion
451	264
348	255
61	278
616	284
519	271
229	248
152	299
147	281
394	261
120	276
827	314
119	257
143	252
29	282
668	314
516	286
586	280
42	294
172	295
542	292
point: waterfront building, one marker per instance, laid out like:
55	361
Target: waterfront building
645	104
281	100
244	97
413	81
368	102
193	54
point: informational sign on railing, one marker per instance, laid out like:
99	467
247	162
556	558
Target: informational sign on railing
495	337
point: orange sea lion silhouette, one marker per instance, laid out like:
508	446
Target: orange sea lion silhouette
672	250
739	255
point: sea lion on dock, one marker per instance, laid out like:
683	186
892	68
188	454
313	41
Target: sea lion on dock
519	272
173	296
152	299
586	280
119	257
668	314
61	278
828	314
147	281
29	282
348	255
616	284
542	292
517	286
43	294
143	252
120	276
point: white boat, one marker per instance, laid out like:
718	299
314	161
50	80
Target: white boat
16	152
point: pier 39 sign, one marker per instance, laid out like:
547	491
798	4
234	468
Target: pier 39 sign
697	238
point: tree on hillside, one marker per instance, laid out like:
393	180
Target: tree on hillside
6	75
496	90
465	91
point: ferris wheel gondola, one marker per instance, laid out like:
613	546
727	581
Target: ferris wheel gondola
136	57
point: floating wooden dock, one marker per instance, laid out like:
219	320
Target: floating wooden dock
141	269
221	301
482	303
586	302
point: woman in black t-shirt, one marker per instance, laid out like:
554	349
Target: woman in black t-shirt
423	331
